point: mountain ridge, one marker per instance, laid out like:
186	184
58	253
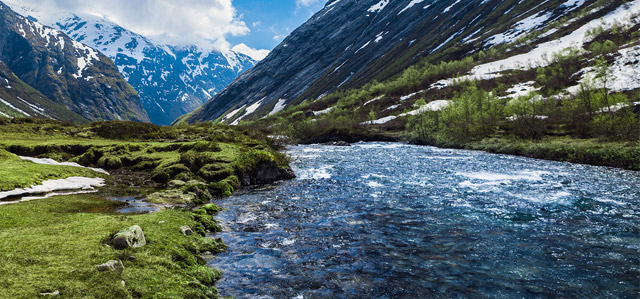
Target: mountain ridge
65	71
172	80
349	43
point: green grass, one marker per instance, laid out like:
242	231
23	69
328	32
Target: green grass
18	173
54	244
588	151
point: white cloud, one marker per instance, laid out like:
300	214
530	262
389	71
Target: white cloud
305	3
203	22
255	54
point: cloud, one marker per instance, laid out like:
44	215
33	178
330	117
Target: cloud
203	22
255	54
306	3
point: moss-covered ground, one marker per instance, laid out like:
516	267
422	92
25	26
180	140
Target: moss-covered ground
54	244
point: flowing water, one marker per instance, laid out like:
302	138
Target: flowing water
389	220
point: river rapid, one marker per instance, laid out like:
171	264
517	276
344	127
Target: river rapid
388	220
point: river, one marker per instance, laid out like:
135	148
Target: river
389	220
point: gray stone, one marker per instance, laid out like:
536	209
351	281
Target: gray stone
186	230
129	237
112	265
54	293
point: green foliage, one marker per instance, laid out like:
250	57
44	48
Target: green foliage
529	114
603	48
67	238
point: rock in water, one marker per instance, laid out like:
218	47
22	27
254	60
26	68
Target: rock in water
112	265
130	237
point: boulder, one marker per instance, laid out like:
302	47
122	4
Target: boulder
267	173
176	184
186	230
132	237
112	265
172	197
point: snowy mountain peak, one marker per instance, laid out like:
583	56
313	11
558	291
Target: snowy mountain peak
172	80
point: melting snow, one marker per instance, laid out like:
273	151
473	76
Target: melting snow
72	183
379	6
450	6
278	107
410	5
431	106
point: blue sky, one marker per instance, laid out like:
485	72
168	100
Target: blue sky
270	21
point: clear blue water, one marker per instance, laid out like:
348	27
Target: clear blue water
385	220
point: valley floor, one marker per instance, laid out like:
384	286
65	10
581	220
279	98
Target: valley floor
54	245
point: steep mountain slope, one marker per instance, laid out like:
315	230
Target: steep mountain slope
171	80
65	71
18	99
350	43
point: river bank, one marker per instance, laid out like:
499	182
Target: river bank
53	245
592	151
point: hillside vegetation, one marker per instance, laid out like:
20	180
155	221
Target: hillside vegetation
570	107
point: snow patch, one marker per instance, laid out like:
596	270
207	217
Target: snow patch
379	6
278	107
410	5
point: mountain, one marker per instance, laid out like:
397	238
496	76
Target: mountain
350	43
55	73
171	80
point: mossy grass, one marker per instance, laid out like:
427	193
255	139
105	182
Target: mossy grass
54	245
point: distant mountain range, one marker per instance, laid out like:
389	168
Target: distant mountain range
171	80
350	43
44	73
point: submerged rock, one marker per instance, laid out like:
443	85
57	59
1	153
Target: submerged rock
132	237
337	143
112	265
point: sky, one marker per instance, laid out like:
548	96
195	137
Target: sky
252	27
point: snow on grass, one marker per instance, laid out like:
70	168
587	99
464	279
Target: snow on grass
278	107
624	72
436	105
325	111
72	183
576	39
410	5
521	89
45	161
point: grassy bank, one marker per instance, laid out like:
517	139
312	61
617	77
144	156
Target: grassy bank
53	245
624	155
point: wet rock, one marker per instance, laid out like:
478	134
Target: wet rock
132	237
112	265
266	173
186	230
176	184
